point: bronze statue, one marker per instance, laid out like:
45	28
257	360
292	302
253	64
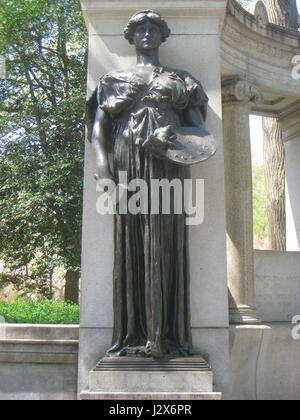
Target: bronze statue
145	116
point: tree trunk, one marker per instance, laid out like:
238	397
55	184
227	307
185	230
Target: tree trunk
72	286
275	184
283	13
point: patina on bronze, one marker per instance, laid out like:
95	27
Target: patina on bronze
152	119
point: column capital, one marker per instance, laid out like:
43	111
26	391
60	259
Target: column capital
242	93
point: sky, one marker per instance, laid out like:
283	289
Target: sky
298	4
257	138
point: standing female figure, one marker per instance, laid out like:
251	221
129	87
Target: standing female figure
151	272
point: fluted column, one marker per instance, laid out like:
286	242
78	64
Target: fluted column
237	98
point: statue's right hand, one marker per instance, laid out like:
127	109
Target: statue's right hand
161	139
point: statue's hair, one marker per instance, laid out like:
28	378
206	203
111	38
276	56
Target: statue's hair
141	17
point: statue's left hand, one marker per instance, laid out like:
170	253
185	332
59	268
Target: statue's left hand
161	139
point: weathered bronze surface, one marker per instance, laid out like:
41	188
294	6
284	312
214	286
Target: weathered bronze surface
152	118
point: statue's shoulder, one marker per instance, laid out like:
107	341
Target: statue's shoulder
181	73
118	76
191	81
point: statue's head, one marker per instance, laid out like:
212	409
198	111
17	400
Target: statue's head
147	24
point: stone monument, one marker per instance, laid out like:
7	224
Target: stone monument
142	111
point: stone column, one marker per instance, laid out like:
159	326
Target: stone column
237	98
289	120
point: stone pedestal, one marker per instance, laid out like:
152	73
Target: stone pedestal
142	378
193	46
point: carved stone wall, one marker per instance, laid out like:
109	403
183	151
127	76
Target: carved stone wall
258	51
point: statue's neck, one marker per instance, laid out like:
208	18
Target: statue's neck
147	58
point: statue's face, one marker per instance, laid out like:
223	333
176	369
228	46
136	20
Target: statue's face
147	36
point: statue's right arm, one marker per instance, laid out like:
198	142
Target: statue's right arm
101	136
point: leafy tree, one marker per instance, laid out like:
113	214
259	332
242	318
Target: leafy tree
42	136
259	204
283	13
245	3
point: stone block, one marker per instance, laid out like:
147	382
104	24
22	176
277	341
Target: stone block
265	362
190	374
277	285
146	396
136	378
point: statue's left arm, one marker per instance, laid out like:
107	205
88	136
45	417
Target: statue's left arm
195	113
194	117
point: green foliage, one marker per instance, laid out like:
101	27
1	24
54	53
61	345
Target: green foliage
259	203
42	102
245	3
24	284
40	312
